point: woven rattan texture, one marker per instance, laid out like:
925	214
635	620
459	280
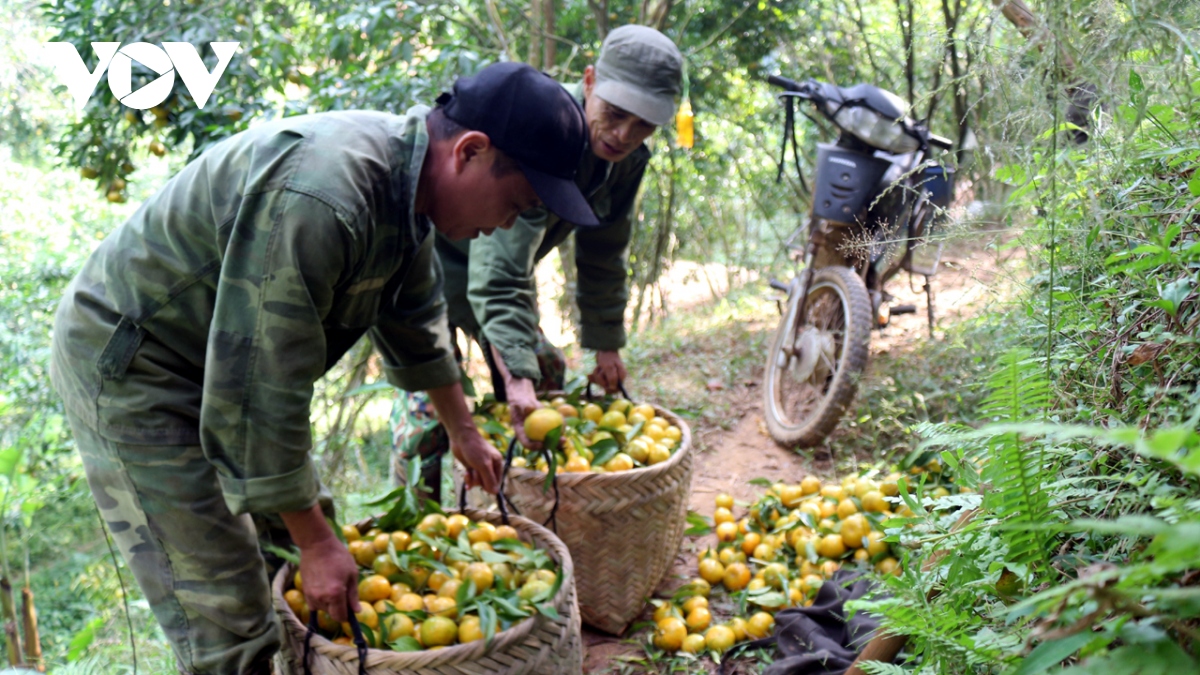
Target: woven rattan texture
539	646
623	529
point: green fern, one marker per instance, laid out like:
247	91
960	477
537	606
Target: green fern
1020	392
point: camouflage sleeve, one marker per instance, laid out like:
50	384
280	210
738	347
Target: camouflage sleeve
601	261
266	348
412	334
503	292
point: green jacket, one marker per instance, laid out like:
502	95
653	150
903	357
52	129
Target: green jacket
208	316
490	287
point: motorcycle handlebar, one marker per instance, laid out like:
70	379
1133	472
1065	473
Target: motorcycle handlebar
785	83
941	141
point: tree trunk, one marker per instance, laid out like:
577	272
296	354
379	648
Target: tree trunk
11	634
549	44
600	13
567	307
33	643
535	33
1081	96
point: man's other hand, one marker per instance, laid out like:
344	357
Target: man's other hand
483	462
610	371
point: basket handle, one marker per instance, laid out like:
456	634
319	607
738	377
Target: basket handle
620	387
360	642
552	521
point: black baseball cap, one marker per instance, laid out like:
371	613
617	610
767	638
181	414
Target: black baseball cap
532	119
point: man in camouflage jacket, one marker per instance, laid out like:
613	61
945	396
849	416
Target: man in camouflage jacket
187	347
490	288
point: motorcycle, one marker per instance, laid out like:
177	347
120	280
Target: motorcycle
877	195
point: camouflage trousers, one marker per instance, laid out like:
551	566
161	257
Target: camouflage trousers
416	431
198	565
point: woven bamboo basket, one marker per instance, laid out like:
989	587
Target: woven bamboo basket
623	529
536	646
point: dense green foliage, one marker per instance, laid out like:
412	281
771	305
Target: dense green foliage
1084	544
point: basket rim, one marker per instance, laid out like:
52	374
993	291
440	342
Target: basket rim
640	473
458	653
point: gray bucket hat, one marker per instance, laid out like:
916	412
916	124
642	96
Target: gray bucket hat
640	70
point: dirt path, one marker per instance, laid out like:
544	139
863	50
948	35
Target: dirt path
973	275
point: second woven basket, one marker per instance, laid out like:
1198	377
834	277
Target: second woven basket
623	529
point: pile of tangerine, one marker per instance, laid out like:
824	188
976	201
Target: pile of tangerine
791	541
602	436
412	584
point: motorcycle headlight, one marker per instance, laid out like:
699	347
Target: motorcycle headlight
875	130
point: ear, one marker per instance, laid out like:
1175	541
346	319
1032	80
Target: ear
469	147
589	81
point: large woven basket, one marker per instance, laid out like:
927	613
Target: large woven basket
623	529
536	646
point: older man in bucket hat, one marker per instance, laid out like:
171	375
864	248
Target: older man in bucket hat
490	289
187	347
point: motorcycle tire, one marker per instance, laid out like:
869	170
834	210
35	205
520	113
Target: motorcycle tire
809	386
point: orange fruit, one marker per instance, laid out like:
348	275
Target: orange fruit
374	587
694	602
438	631
593	412
396	626
846	508
875	543
297	582
722	515
751	542
854	529
669	634
719	638
401	540
736	576
738	626
384	566
724	501
363	552
455	524
481	574
450	588
350	533
470	629
874	502
433	525
711	570
664	610
760	625
540	422
791	495
693	643
577	464
409	602
831	546
726	532
482	532
295	600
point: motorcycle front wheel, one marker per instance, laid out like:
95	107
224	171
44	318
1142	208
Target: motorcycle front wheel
817	359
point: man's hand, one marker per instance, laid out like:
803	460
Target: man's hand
485	466
610	371
522	400
483	462
329	572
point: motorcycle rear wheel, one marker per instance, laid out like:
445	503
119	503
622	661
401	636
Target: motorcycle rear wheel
811	381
